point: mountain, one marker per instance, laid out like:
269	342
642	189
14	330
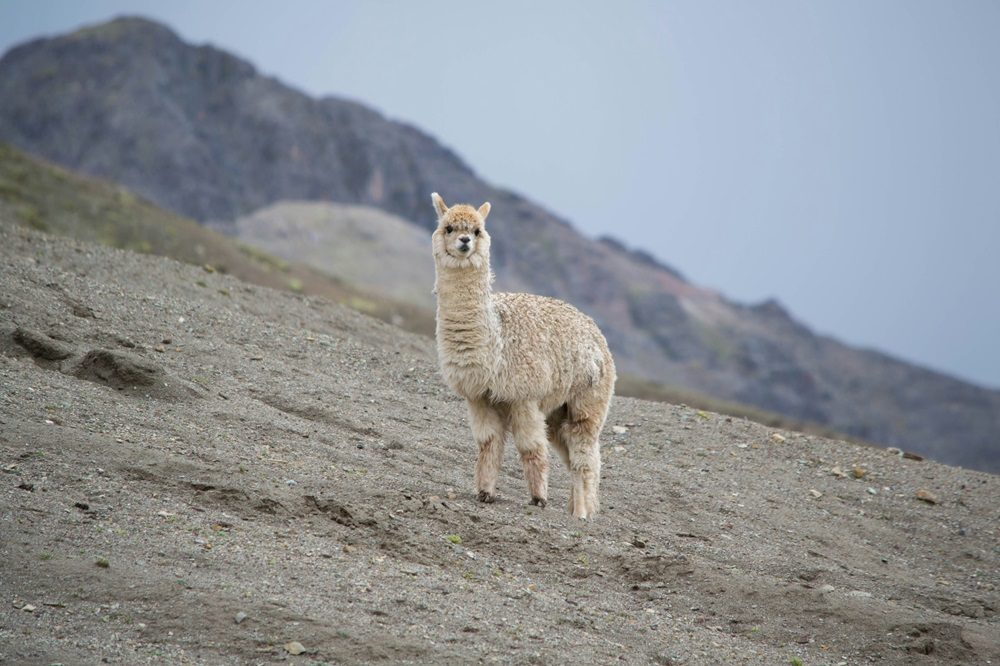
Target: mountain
287	475
203	133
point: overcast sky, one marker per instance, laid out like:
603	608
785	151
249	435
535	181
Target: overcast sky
842	157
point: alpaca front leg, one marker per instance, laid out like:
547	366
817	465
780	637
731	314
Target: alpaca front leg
488	430
527	423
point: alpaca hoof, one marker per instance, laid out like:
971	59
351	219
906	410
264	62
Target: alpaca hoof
539	502
486	497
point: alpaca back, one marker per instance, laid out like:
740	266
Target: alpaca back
551	350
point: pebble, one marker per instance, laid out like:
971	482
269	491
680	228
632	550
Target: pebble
28	608
859	472
926	496
827	589
294	648
291	482
872	491
778	438
240	617
836	471
860	594
619	430
815	493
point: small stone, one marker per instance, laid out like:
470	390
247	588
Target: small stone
912	456
861	594
836	471
827	589
291	482
348	549
638	543
26	486
742	445
28	608
240	617
872	491
859	472
894	451
619	449
815	493
294	648
619	430
778	438
209	268
101	562
926	496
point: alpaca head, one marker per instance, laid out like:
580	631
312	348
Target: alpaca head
460	240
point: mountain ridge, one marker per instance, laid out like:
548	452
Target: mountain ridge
201	132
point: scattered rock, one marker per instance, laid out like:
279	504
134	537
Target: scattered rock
860	594
815	493
294	648
778	438
872	491
925	495
827	589
28	608
24	485
125	371
859	472
42	346
101	562
912	456
836	471
619	430
240	617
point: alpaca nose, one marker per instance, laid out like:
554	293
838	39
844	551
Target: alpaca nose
464	240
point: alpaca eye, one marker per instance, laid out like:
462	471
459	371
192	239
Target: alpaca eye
476	232
449	229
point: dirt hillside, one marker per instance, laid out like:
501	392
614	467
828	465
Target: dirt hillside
226	474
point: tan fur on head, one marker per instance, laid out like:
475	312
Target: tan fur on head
460	239
533	369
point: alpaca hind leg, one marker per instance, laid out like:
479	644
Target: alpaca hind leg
527	424
581	432
488	430
553	427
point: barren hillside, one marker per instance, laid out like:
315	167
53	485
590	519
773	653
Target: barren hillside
230	474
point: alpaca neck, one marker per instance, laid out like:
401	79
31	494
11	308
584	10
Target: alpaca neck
468	328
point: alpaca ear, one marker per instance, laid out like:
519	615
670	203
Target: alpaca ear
439	205
484	210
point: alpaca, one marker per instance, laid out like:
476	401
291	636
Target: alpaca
531	367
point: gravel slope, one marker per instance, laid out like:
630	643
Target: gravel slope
177	457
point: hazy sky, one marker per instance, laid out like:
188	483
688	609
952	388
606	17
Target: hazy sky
842	157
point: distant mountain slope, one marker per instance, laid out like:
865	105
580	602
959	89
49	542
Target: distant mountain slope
357	244
45	197
201	132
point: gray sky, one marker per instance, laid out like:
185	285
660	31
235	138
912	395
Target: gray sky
842	157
